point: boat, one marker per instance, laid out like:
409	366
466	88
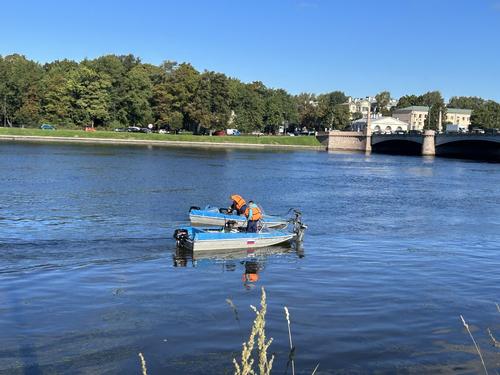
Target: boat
215	216
232	236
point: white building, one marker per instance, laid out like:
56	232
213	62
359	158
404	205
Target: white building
380	124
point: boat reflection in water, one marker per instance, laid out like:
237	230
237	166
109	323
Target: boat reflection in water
252	260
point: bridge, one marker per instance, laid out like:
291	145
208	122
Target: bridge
476	146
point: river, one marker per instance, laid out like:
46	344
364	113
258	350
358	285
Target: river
397	249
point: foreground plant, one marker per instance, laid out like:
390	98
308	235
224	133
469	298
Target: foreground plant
246	365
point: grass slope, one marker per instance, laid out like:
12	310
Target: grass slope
276	140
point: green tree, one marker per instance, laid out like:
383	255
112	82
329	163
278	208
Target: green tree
89	96
383	99
407	101
435	102
332	112
487	115
20	90
248	106
308	111
210	107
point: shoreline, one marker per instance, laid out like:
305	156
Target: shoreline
141	142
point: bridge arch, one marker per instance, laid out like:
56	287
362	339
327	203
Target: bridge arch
402	146
473	148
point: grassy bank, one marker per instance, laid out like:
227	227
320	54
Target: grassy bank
245	139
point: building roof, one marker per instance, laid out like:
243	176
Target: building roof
459	111
421	108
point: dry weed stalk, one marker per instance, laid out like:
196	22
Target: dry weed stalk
292	349
143	364
475	344
245	367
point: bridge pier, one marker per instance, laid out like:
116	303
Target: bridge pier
429	143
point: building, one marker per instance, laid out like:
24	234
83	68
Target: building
458	116
358	106
415	116
380	124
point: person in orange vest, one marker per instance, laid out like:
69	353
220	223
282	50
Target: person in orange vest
253	215
239	204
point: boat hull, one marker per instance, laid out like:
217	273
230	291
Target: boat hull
198	239
239	243
214	218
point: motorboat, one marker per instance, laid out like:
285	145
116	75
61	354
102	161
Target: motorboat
232	236
215	216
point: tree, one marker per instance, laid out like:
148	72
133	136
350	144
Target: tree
248	106
466	102
20	90
332	112
138	91
308	111
435	102
487	115
383	99
56	99
407	101
89	96
210	108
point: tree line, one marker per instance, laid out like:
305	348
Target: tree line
116	91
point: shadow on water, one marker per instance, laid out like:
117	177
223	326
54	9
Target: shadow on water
27	352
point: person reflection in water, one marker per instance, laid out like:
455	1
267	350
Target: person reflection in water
251	275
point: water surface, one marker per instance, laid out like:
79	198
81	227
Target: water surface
397	248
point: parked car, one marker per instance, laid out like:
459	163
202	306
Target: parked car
145	130
163	131
120	129
134	129
220	133
47	127
477	131
257	133
400	132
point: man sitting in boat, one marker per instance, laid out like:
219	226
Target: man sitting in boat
253	215
239	205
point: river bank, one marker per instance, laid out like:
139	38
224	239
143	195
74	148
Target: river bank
162	140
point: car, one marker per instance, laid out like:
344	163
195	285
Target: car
257	133
47	127
219	133
120	129
133	129
163	131
145	130
400	132
477	131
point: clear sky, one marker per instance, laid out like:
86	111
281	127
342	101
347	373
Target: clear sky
360	47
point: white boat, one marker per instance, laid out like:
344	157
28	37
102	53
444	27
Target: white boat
230	236
220	216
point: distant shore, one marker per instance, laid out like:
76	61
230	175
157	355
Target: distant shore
111	138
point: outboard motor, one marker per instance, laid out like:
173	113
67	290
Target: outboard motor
299	227
193	208
225	211
181	236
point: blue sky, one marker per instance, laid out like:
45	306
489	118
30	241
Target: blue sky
360	47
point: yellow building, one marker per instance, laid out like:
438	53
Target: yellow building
458	116
415	116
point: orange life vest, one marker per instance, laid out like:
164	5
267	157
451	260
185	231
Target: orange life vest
240	202
256	213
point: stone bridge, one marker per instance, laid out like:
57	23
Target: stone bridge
483	146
